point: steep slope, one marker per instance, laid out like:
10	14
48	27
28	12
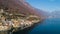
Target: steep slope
19	6
44	14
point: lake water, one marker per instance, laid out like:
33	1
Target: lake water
50	26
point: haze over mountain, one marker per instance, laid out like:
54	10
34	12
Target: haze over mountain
44	13
55	14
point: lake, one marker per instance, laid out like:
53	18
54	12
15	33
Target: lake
48	26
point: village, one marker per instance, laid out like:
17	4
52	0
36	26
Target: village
16	22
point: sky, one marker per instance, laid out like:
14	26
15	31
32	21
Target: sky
45	5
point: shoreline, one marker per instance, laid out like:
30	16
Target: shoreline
26	30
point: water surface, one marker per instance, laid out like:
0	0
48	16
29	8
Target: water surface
50	25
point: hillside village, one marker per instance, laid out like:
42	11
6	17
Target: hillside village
16	21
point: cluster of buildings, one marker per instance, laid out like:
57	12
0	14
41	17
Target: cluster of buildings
14	22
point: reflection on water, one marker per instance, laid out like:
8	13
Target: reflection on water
48	26
51	25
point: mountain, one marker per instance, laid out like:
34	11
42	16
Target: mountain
55	14
44	14
20	6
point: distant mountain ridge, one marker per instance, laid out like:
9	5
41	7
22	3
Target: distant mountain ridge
55	14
